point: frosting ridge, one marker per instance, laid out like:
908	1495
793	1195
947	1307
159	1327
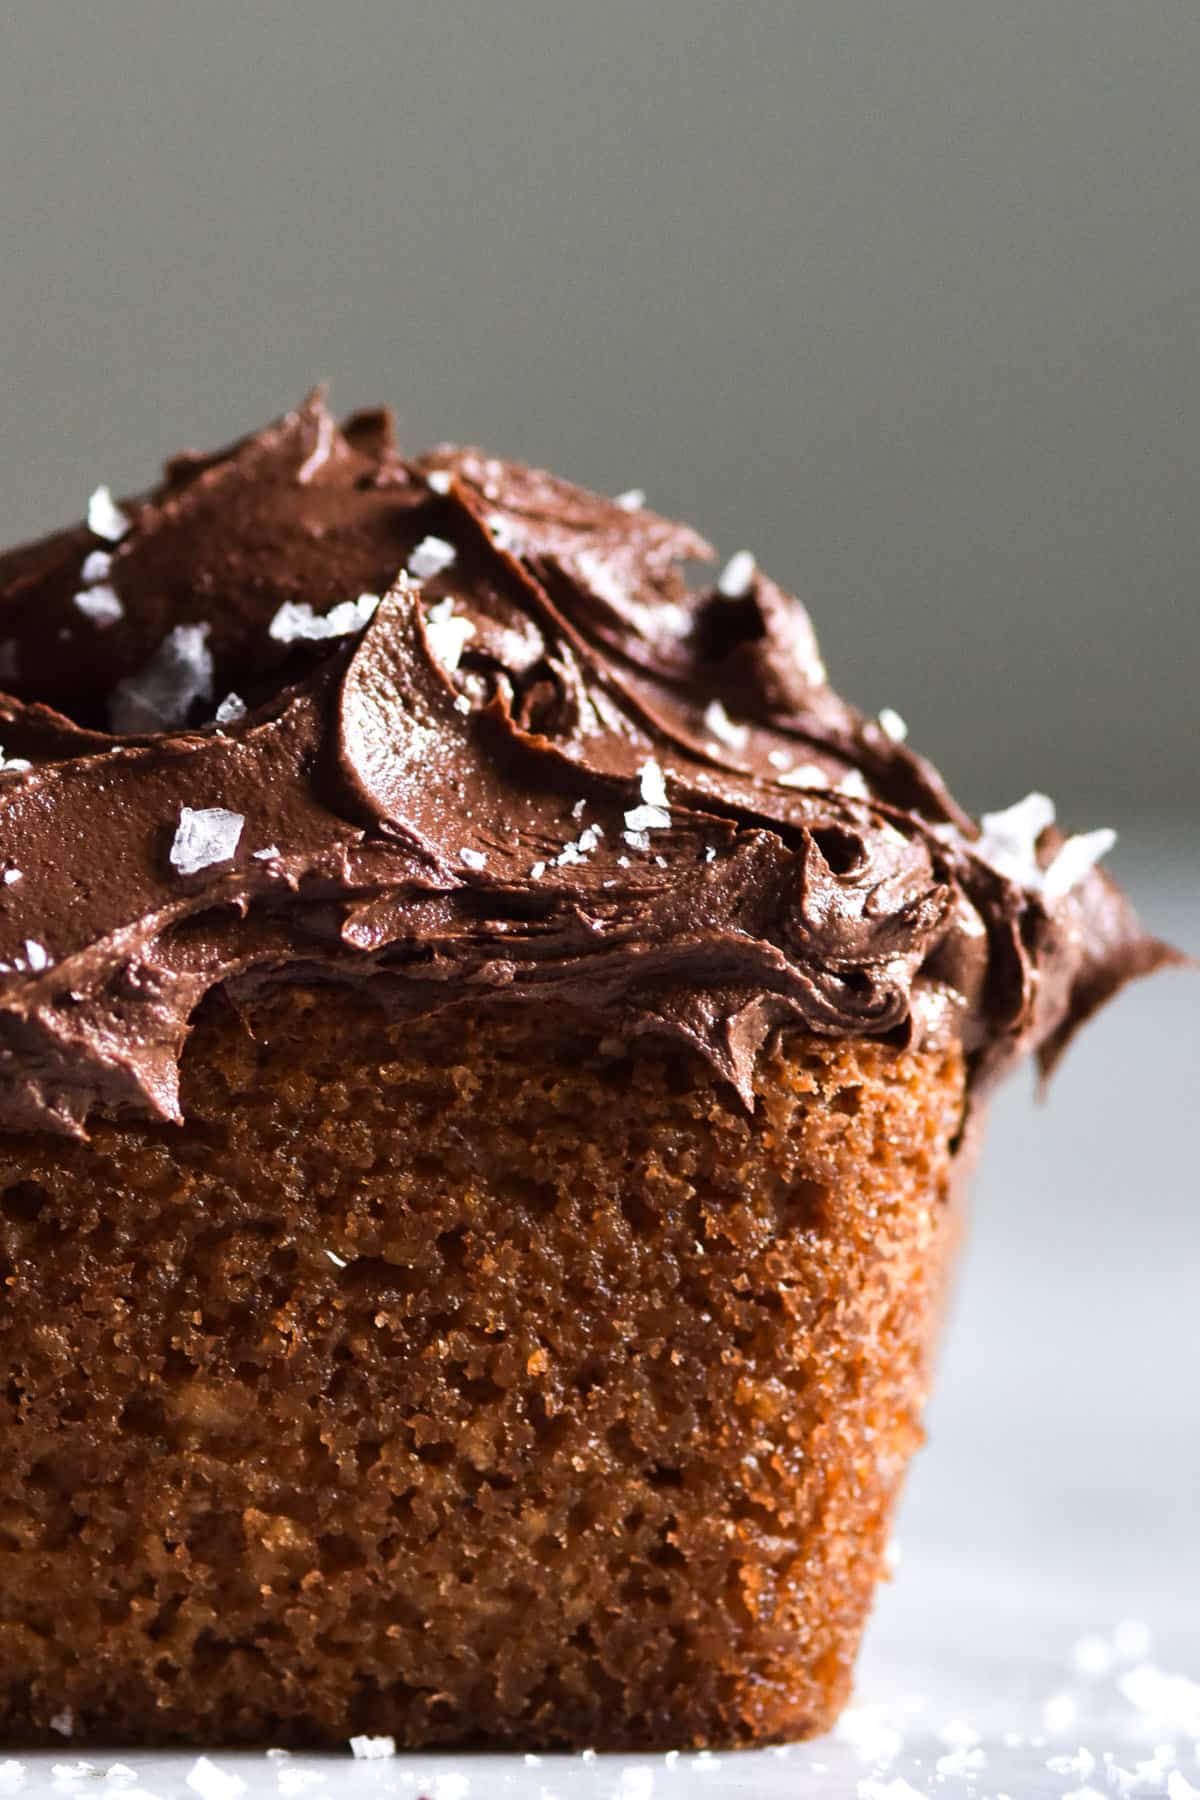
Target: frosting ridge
486	745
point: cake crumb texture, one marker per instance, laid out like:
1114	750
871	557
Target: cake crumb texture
481	1381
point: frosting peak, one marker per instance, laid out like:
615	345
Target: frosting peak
458	727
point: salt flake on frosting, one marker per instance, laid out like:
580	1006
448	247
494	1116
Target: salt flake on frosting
96	567
1078	856
632	500
431	556
105	518
892	724
439	480
101	604
296	619
232	707
1008	840
718	721
448	634
474	859
737	577
205	835
36	956
162	693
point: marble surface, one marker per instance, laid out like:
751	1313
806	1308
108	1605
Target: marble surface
1042	1634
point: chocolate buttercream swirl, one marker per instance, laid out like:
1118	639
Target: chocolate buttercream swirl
311	709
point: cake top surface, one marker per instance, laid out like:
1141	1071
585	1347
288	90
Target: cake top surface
313	709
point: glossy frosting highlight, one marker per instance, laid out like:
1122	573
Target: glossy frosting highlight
312	710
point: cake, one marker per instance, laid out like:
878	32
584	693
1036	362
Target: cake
491	1047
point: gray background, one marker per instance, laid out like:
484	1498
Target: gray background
904	295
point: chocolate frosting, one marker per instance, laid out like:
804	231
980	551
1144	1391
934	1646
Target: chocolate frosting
486	744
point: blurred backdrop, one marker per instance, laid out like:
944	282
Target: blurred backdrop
903	296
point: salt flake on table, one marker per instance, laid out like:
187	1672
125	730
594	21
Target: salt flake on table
372	1749
105	518
212	1783
205	835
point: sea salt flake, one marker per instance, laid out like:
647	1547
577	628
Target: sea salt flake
1169	1702
212	1783
474	859
12	876
737	577
577	809
105	518
871	1788
805	775
448	634
266	853
461	703
1081	1764
102	605
710	854
205	835
718	721
1008	840
637	840
163	692
14	765
439	480
646	818
956	1734
653	784
296	620
431	556
854	784
537	870
1092	1655
96	567
1078	856
73	1771
37	958
119	1773
503	533
869	1733
231	708
892	724
372	1749
632	500
962	1761
779	759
